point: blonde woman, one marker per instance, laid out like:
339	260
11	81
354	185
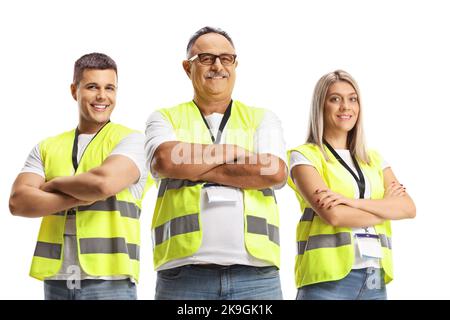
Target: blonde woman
348	195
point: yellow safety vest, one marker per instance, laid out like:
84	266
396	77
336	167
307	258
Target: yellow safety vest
176	227
108	231
326	253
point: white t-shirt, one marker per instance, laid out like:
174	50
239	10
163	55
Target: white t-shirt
132	146
299	159
222	222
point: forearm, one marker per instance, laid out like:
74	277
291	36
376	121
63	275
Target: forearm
32	202
345	216
85	187
179	160
392	208
254	173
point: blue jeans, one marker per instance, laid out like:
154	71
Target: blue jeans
359	284
90	290
213	282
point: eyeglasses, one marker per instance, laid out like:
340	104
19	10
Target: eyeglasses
207	59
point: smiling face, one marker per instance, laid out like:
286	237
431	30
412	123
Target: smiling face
341	108
211	82
96	97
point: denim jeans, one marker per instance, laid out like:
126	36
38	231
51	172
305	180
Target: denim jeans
90	290
359	284
212	282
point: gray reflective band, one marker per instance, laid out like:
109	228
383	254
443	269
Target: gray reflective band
260	226
109	245
308	215
301	247
385	241
325	241
127	209
168	184
176	226
268	192
70	212
48	250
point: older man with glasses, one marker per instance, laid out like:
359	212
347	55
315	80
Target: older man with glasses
217	162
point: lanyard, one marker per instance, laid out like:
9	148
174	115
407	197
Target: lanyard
75	147
359	179
222	125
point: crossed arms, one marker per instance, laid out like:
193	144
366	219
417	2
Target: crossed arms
340	211
31	196
224	164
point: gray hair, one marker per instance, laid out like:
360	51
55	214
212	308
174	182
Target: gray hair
203	31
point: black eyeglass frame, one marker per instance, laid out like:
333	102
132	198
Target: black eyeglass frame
199	57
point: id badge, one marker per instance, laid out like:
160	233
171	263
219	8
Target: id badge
369	245
221	194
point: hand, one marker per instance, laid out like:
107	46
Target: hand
329	199
395	189
47	187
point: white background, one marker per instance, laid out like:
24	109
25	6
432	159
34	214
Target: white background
397	50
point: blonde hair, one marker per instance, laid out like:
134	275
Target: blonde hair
355	138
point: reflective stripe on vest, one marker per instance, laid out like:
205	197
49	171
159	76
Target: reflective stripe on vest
48	250
109	245
173	184
385	241
260	226
126	209
190	223
308	215
325	241
176	226
170	184
268	192
89	245
333	241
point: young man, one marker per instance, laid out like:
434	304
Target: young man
217	161
87	184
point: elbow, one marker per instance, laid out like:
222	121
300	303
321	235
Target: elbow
411	212
14	205
281	176
333	220
329	216
103	188
161	164
407	210
276	172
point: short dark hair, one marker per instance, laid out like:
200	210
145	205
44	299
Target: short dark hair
203	31
93	60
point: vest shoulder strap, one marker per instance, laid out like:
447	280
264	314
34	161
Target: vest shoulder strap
313	153
250	115
56	142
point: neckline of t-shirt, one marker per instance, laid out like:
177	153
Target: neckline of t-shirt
86	135
214	114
